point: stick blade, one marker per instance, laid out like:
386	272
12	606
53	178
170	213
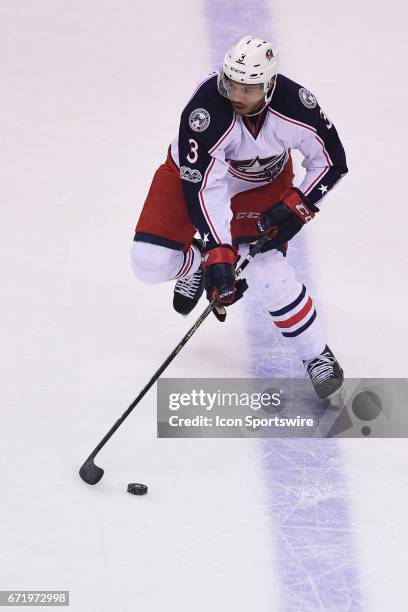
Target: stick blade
90	473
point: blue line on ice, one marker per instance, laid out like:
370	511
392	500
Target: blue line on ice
304	478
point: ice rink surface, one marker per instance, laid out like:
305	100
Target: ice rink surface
91	97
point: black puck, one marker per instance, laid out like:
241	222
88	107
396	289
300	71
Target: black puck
135	488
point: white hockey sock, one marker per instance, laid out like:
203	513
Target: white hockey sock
299	324
191	262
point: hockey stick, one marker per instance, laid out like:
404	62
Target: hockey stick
91	473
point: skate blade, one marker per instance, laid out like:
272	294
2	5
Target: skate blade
336	400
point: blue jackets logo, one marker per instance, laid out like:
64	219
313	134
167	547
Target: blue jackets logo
257	170
199	119
307	98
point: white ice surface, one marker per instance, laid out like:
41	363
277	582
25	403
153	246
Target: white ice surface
84	123
350	54
86	117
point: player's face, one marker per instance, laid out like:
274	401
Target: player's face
245	99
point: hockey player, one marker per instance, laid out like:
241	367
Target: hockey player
228	175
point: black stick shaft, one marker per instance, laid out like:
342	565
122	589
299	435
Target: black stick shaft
253	251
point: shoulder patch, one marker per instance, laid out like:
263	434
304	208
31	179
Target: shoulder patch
307	98
199	119
207	116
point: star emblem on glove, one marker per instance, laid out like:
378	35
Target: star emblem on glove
323	188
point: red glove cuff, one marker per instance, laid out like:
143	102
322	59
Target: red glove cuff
298	204
223	254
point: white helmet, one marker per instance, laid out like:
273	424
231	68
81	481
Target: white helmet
251	61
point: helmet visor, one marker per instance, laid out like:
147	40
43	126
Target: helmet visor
240	92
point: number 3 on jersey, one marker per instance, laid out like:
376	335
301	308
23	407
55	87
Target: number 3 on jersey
193	155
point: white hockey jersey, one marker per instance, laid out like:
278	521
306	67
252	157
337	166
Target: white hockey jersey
220	153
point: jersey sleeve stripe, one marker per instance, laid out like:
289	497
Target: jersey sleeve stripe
308	127
223	137
327	156
202	202
316	180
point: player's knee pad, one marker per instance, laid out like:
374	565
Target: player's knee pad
273	278
153	263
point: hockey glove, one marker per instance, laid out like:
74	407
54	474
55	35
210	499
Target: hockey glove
289	214
219	274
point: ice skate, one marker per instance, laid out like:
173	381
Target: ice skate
189	289
326	376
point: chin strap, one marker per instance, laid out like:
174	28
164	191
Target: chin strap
267	99
258	112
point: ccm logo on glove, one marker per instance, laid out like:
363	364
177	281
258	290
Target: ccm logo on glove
305	212
219	276
219	269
